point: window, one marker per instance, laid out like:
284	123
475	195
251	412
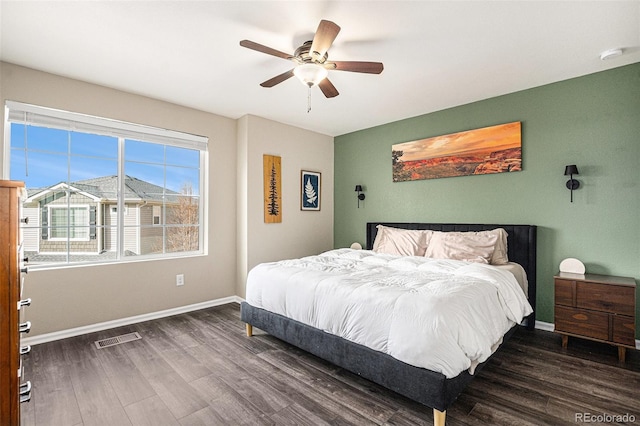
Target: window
156	215
69	222
101	190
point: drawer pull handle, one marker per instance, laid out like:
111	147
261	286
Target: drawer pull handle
25	327
24	220
25	349
24	302
25	388
24	270
581	317
25	398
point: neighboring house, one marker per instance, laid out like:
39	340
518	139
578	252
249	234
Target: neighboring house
81	217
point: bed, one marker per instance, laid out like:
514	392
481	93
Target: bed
434	387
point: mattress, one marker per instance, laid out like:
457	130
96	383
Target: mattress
442	315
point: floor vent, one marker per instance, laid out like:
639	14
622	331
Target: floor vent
112	341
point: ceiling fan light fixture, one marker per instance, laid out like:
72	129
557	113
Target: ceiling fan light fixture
310	74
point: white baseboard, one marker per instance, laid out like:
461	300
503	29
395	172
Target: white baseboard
72	332
546	326
549	326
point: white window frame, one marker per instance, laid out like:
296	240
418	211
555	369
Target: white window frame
67	207
17	112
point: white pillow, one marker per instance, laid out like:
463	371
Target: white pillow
468	246
403	242
499	256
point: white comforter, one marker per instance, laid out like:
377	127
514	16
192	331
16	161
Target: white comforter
443	315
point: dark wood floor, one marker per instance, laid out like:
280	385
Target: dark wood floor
200	369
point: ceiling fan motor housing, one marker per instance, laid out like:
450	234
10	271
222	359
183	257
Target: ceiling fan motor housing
304	55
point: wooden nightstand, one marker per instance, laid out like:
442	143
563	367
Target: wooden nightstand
596	307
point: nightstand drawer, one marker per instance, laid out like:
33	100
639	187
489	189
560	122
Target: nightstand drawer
624	330
564	293
607	298
582	322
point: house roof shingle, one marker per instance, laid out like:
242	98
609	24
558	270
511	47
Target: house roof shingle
105	187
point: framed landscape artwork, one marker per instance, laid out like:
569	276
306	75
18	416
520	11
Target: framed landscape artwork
310	190
495	149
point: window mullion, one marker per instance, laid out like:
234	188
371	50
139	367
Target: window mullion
68	192
120	195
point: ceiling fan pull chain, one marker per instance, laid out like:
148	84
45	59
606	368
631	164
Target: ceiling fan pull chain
309	100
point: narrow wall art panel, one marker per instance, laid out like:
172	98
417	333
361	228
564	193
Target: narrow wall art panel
272	181
495	149
310	190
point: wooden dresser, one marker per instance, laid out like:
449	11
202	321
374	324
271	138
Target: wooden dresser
596	307
13	388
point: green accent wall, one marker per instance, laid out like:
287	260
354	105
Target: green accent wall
591	121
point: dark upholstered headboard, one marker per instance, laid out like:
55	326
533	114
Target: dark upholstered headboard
521	246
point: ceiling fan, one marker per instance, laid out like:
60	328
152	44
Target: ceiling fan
311	59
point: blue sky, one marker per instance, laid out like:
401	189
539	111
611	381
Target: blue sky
55	156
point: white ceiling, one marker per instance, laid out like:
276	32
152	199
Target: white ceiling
436	54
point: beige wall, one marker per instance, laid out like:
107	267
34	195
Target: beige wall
238	238
74	297
301	233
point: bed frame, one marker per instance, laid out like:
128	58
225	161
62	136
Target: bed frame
427	387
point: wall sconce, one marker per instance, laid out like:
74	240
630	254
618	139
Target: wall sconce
360	194
572	183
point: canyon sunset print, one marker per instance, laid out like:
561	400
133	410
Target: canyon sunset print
495	149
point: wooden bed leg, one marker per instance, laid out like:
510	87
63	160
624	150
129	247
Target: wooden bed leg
439	417
249	329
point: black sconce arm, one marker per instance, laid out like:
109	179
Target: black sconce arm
572	183
360	194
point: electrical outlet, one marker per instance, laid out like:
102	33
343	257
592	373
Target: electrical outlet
180	279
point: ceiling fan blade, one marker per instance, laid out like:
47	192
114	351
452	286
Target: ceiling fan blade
264	49
325	34
328	88
277	79
356	66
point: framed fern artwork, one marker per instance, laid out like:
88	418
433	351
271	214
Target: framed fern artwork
310	190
